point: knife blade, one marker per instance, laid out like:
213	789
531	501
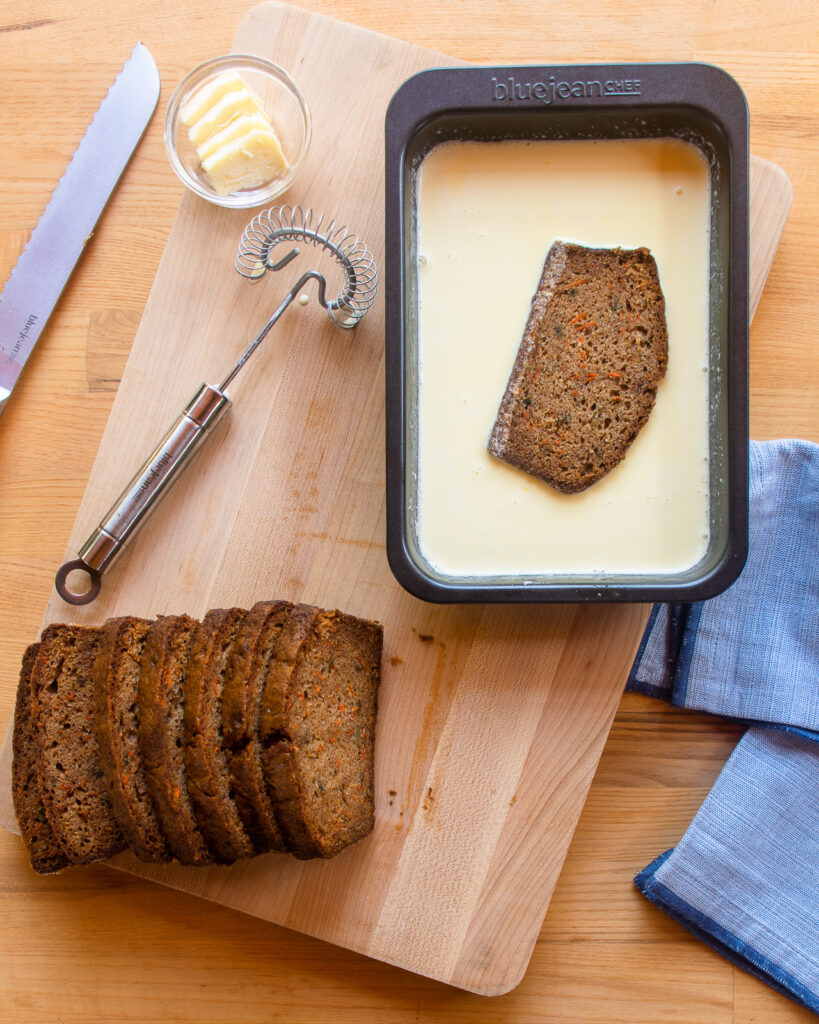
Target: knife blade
61	234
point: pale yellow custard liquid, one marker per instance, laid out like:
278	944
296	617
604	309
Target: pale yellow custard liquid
487	214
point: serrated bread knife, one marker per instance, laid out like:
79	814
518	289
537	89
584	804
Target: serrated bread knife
57	242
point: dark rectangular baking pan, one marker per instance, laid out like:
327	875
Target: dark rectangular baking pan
697	102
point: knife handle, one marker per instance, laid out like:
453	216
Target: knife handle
144	492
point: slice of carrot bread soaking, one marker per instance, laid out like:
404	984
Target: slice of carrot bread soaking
318	729
585	378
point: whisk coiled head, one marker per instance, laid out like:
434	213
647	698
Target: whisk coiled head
293	224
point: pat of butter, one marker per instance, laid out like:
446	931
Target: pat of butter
223	111
203	99
239	126
246	162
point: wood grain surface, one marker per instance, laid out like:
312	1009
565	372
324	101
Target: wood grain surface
84	949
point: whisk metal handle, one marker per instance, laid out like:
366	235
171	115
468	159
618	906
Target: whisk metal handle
144	492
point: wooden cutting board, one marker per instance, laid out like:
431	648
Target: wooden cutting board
492	719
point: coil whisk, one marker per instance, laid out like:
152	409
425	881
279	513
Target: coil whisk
293	224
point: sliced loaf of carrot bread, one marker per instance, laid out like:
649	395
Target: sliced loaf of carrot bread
206	741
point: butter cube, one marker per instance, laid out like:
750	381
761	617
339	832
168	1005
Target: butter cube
251	160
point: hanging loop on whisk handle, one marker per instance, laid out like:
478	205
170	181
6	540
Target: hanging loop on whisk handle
144	492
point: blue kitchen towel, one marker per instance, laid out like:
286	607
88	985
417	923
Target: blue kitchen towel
745	876
752	653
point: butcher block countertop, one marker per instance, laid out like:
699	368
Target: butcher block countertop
95	944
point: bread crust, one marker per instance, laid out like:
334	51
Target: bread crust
44	851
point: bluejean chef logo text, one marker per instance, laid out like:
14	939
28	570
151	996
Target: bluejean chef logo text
510	89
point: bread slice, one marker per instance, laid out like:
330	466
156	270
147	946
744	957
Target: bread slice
73	788
163	669
116	697
209	781
317	728
247	668
44	852
585	379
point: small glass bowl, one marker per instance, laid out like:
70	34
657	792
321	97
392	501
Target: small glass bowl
284	104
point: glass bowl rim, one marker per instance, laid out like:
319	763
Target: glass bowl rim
200	73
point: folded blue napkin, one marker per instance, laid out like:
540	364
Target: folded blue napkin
745	876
